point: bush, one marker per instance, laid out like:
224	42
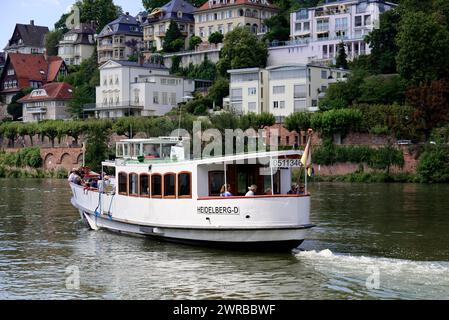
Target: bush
433	166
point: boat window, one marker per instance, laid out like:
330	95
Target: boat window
119	151
170	185
133	184
144	185
123	183
185	185
126	150
216	181
166	151
151	150
156	185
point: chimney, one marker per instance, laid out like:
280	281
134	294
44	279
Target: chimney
127	13
32	22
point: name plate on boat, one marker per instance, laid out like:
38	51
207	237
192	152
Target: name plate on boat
224	211
286	163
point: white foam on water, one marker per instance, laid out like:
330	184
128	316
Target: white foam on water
397	278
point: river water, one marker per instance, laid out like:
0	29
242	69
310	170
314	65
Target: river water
372	241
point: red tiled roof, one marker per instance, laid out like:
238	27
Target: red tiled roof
206	5
34	67
55	91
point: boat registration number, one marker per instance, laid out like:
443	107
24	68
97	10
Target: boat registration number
286	163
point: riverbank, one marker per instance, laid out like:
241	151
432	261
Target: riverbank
13	172
370	177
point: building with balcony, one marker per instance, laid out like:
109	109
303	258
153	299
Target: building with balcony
29	70
78	44
225	15
119	39
281	90
316	32
158	22
27	38
138	89
47	103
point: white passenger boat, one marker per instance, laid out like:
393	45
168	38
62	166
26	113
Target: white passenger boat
159	192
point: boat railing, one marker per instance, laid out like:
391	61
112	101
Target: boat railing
255	197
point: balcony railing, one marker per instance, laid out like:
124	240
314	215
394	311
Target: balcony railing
132	105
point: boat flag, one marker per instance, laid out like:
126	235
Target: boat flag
306	159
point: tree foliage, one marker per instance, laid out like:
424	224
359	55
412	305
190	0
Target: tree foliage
174	40
52	40
431	103
216	37
241	49
342	57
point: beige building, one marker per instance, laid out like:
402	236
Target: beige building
248	90
158	22
119	39
47	103
78	44
226	15
281	90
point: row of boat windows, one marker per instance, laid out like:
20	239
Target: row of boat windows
169	185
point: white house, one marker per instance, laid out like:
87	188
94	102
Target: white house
316	32
47	103
281	90
132	88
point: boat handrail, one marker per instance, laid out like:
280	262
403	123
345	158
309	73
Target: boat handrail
255	197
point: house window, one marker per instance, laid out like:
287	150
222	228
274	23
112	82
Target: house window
133	184
173	99
144	183
156	97
123	183
300	105
11	72
185	185
236	94
164	98
300	91
252	91
252	106
278	89
282	104
170	185
156	186
358	21
323	74
276	104
216	181
323	88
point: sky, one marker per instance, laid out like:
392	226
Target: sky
44	13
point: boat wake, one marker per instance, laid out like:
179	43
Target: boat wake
377	277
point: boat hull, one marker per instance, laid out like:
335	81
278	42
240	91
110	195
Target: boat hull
273	223
269	239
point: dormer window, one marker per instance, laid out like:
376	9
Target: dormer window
180	14
11	72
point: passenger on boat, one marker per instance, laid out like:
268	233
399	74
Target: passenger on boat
75	177
302	190
294	189
252	191
226	191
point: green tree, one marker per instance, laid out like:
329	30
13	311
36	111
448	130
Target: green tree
420	61
51	130
278	27
194	42
218	91
216	37
51	42
298	121
339	121
61	24
382	89
174	40
97	150
128	126
382	42
342	57
101	12
433	165
15	109
242	49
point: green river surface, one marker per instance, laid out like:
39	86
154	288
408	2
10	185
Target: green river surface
372	241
